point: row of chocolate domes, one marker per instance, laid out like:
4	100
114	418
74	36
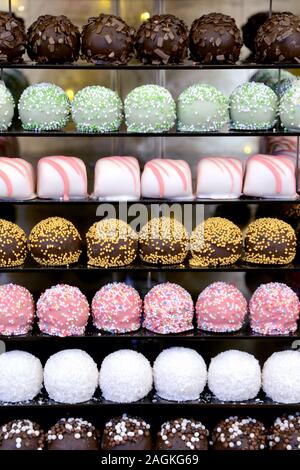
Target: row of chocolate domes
134	433
55	241
126	376
119	178
151	108
161	39
167	308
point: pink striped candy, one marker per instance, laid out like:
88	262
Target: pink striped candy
17	179
219	178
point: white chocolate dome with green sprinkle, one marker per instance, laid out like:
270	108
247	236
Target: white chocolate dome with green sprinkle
7	106
202	108
289	107
97	109
44	107
150	108
253	106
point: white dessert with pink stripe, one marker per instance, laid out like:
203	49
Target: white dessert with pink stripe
167	179
60	177
270	176
117	179
16	179
219	178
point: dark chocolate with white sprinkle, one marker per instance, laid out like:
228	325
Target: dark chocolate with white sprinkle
53	39
162	39
215	39
126	433
278	39
73	434
285	433
236	433
21	434
12	38
107	39
182	434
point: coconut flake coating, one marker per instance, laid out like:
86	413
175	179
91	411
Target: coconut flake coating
21	376
234	376
281	377
180	374
63	310
125	376
149	108
202	108
253	106
21	434
236	433
269	241
216	242
274	309
16	310
168	308
289	107
117	308
221	307
72	434
7	106
70	376
97	109
44	107
285	433
163	240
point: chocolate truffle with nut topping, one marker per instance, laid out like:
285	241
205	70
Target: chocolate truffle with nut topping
21	434
107	39
13	244
163	240
162	39
126	433
278	39
55	242
215	39
72	434
236	433
216	242
270	241
12	38
111	242
182	434
53	39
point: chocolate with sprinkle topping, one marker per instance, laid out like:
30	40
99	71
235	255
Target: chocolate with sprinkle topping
162	39
182	434
215	39
53	39
285	433
21	434
107	38
73	434
236	433
126	433
278	39
12	38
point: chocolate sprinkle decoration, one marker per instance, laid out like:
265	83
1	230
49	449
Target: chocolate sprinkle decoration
73	434
162	39
236	433
278	39
54	40
215	39
12	38
21	434
285	433
126	433
107	39
182	434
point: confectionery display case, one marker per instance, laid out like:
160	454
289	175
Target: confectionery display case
151	249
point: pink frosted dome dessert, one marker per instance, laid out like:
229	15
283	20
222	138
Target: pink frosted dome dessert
117	308
63	310
16	310
274	309
168	308
221	307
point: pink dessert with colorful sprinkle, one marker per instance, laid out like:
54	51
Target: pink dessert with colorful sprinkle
63	310
117	308
220	308
168	308
16	310
274	309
